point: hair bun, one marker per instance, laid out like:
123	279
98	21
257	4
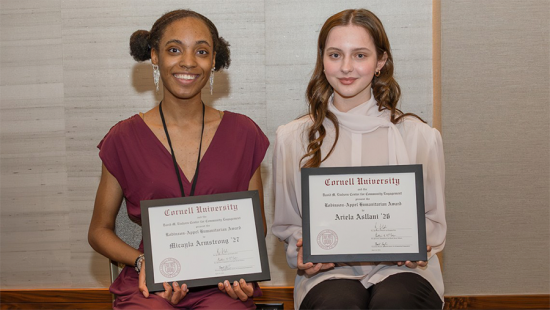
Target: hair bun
223	54
139	45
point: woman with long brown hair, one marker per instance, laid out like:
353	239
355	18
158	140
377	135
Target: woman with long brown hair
353	120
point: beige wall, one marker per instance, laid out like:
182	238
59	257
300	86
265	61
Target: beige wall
495	117
66	78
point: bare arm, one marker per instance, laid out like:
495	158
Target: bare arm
101	235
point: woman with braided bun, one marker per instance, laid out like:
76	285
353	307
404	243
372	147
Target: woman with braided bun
353	120
157	154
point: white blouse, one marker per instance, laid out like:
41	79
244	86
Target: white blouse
367	138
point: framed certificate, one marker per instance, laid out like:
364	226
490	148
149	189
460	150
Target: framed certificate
204	240
363	214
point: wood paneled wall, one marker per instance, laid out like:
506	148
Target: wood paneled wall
66	78
495	120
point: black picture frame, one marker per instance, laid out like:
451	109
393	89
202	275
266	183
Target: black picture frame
263	275
416	169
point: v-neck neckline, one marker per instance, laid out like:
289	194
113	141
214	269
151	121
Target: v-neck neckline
167	152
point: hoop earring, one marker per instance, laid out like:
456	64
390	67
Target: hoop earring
377	73
156	76
211	81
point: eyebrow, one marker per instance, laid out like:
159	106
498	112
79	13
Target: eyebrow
181	43
353	50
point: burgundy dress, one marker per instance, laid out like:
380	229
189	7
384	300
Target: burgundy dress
145	170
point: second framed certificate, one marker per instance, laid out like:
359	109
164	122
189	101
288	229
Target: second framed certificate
203	240
363	214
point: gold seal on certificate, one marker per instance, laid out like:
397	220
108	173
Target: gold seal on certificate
363	214
203	240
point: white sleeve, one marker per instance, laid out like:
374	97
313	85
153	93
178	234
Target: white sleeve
434	192
287	224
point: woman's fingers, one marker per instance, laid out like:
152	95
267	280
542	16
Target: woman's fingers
328	266
229	290
173	294
300	263
248	288
318	267
239	292
310	268
221	287
179	292
142	286
422	263
167	291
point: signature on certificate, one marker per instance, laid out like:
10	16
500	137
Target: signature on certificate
225	267
228	267
228	259
381	227
224	251
384	235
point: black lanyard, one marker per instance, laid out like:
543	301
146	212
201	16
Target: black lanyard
195	177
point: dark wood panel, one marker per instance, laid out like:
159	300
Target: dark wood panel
101	299
277	295
56	296
498	302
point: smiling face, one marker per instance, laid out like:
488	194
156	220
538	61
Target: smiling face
350	62
185	58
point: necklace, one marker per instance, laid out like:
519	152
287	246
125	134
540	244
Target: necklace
195	177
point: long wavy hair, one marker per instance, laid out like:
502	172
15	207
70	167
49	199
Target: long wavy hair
385	88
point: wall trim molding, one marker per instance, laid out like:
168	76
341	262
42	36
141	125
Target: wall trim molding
101	299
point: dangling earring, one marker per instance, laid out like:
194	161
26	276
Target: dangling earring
377	73
156	76
211	81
